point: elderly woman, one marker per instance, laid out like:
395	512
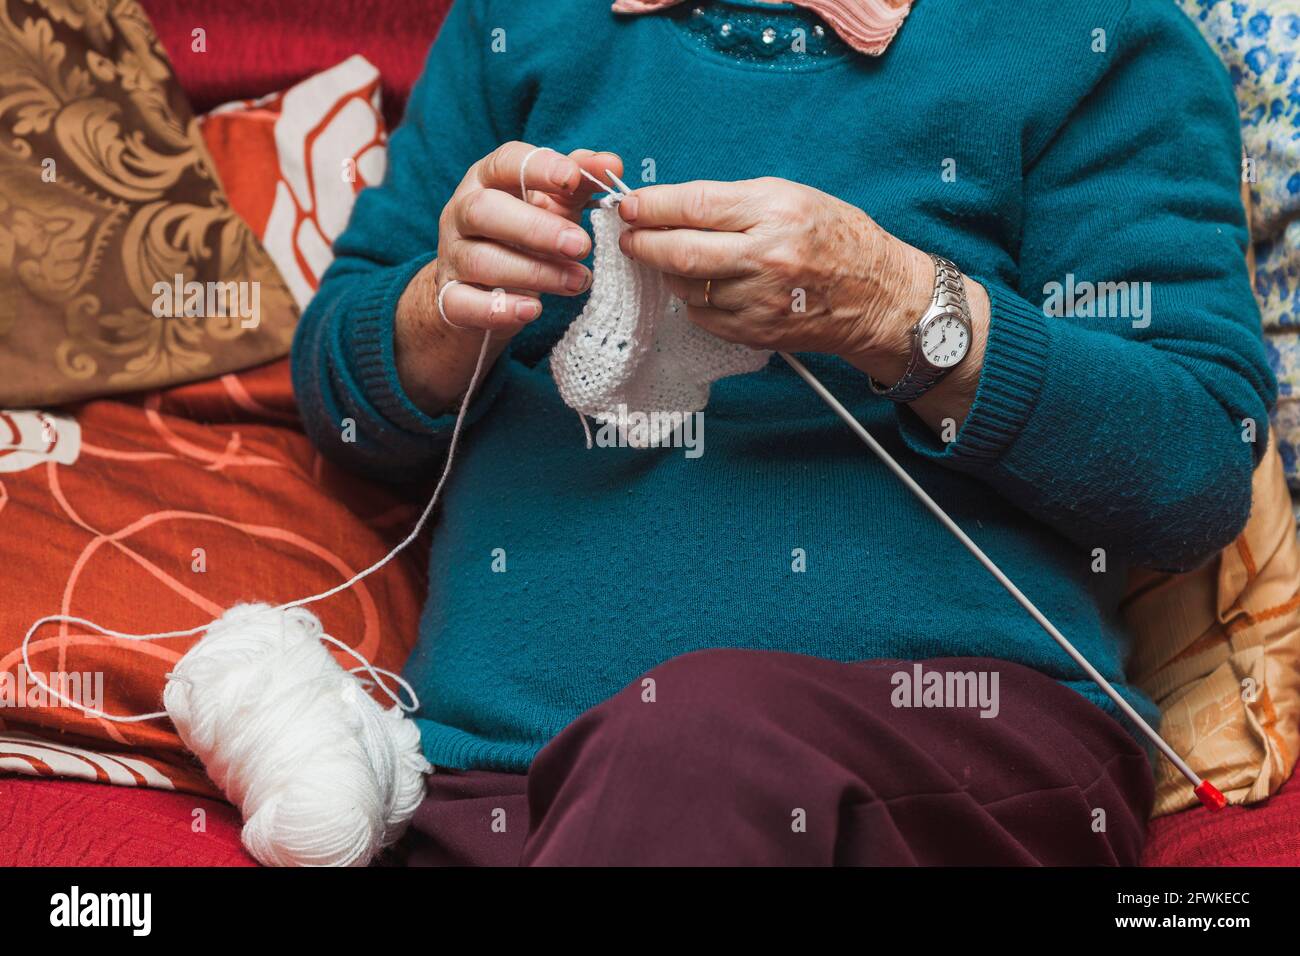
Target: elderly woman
750	656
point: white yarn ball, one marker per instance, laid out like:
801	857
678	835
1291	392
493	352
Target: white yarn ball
322	775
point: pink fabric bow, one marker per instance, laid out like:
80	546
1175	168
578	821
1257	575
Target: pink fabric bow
865	25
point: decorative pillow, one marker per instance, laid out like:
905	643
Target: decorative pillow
1263	835
1219	650
1259	42
301	157
158	514
122	265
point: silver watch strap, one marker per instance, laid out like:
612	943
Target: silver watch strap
920	376
949	287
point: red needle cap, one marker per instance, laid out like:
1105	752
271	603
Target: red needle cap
1209	795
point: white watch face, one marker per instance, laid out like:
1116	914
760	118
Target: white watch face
945	341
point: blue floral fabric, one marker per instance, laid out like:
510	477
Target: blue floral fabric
1259	41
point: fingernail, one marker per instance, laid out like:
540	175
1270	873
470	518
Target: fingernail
527	310
572	242
628	208
562	172
575	280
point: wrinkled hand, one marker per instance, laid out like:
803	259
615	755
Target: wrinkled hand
792	268
511	249
505	252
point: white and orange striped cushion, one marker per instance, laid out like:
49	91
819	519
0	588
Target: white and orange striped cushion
294	161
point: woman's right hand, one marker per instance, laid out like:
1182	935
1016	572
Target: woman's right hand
505	252
490	237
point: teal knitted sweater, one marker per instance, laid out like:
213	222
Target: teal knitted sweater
1032	142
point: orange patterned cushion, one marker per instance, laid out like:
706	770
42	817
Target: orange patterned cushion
144	519
1219	650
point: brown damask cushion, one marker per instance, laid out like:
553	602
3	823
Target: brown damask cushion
122	265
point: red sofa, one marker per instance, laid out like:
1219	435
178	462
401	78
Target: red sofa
69	823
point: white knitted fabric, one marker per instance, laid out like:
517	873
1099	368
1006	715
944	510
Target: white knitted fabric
633	346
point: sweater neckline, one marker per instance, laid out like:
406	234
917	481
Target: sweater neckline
867	26
777	38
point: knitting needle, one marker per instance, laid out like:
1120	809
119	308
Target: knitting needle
604	186
621	185
1205	791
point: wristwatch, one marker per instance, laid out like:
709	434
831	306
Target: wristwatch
940	339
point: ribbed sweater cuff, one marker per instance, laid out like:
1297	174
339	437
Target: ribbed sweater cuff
368	341
1015	365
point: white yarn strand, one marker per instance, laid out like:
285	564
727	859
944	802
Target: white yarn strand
373	671
523	167
442	313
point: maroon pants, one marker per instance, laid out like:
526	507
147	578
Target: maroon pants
731	757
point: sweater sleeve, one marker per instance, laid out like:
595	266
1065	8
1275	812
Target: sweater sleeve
1128	432
344	371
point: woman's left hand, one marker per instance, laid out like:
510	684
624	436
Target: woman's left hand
774	264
